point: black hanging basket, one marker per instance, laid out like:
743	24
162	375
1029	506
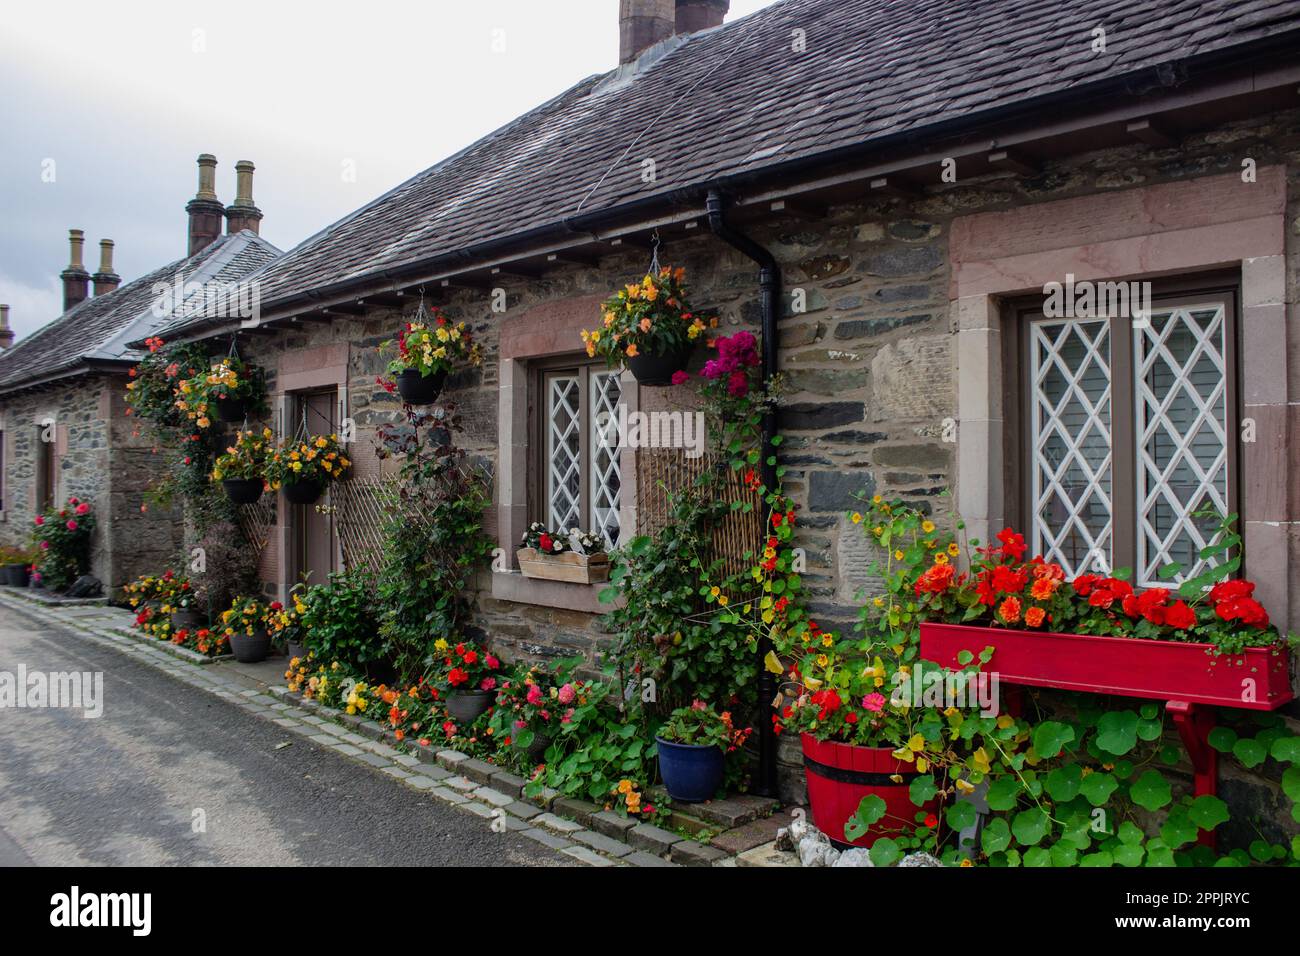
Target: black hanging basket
243	491
303	492
417	389
657	370
231	410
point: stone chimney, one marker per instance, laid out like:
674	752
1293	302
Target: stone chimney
693	15
6	333
242	213
106	280
205	209
76	280
642	24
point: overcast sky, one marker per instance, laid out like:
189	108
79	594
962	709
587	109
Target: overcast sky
114	102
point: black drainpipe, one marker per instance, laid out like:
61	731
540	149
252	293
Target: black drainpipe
769	283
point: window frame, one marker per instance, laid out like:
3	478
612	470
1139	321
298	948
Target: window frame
540	373
1125	522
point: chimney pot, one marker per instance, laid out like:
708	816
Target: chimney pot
243	213
642	24
106	280
6	333
693	15
76	280
205	210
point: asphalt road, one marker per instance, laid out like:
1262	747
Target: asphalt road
123	789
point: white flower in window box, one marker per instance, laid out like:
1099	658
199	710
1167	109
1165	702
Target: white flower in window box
575	556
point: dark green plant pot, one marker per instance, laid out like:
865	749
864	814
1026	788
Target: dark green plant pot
537	749
657	370
17	575
303	492
231	410
467	706
243	491
188	619
417	389
250	650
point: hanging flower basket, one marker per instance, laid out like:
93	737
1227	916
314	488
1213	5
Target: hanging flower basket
839	775
231	410
419	389
569	566
243	491
1256	679
303	492
657	371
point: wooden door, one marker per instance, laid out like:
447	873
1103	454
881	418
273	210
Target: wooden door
315	544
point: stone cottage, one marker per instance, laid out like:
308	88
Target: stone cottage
926	201
63	427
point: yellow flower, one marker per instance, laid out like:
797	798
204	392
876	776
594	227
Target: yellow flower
927	526
953	549
856	518
941	558
875	500
898	554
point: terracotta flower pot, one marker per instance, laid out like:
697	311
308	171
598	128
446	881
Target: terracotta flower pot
249	649
466	706
243	491
657	370
417	389
303	492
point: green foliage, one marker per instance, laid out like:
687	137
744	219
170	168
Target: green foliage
339	620
61	539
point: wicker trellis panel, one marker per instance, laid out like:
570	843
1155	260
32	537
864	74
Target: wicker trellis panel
256	521
360	509
665	471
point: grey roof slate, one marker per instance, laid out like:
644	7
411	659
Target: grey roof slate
101	328
737	99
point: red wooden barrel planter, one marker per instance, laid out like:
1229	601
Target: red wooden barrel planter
840	775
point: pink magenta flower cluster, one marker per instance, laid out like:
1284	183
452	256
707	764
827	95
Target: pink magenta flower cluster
735	354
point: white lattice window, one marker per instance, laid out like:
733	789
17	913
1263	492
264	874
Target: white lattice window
1127	427
581	462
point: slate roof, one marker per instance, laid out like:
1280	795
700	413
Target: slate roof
737	99
99	329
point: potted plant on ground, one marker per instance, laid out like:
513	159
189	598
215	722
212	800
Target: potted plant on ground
338	620
303	467
469	675
178	600
575	556
692	744
15	566
284	624
534	704
649	328
231	388
62	539
244	626
242	468
428	348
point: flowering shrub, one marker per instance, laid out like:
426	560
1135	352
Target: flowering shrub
230	379
651	317
246	459
535	701
466	666
437	346
62	538
702	725
737	354
317	460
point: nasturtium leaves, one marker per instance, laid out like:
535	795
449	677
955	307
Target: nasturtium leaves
1117	731
964	657
1063	783
1097	787
1050	736
1037	856
1160	856
996	835
1064	855
1287	750
1222	739
1102	858
1130	833
1208	812
1002	793
922	790
1291	783
1178	829
870	809
1149	729
1150	791
884	852
1128	855
1249	751
961	815
1030	826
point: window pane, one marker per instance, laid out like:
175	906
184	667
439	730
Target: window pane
604	474
1182	407
1071	435
563	452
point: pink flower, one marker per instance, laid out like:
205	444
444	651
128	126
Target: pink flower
680	377
488	683
40	519
491	662
874	702
45	546
520	724
568	716
72	525
534	694
566	694
83	508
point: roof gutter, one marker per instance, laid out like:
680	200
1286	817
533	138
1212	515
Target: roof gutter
769	284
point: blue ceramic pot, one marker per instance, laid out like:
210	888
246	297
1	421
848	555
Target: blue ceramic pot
692	772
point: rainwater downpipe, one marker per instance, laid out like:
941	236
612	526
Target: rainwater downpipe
769	283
